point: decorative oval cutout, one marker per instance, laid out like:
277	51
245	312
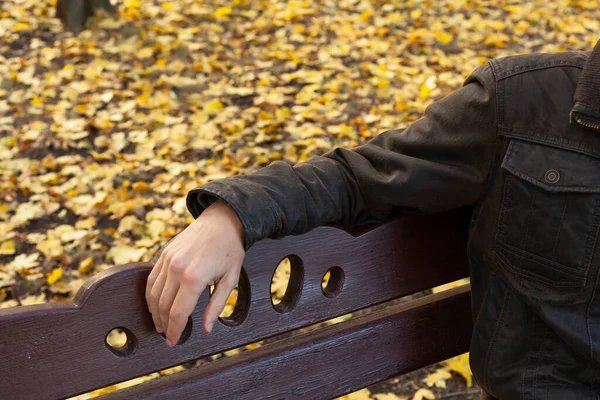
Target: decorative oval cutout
333	282
287	283
238	304
121	341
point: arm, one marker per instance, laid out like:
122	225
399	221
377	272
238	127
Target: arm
440	162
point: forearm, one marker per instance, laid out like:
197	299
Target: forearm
439	162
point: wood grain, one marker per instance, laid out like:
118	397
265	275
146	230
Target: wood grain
331	361
63	345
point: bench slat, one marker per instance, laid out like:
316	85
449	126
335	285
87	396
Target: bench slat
331	361
63	345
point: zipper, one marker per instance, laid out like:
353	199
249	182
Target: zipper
587	124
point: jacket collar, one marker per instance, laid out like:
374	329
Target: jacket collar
586	110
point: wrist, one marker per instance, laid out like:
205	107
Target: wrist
224	210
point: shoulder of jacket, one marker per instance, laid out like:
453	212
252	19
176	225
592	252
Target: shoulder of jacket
506	67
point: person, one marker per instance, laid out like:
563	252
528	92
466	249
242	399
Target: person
520	144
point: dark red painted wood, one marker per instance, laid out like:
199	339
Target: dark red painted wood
331	361
63	345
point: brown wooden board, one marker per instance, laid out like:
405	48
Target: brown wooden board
62	346
331	361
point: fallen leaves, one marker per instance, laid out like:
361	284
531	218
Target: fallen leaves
103	134
55	275
125	254
424	394
7	248
460	364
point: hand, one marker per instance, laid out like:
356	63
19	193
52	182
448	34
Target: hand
209	251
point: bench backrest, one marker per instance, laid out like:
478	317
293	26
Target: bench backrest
59	350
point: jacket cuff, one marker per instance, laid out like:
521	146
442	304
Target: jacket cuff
254	210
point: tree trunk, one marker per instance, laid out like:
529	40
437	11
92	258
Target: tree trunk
75	13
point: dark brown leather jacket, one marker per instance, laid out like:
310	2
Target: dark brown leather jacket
503	144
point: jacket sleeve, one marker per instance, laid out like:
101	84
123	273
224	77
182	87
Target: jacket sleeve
439	162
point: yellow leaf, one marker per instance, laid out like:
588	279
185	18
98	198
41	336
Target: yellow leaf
125	254
141	186
422	394
253	346
213	107
36	101
50	248
427	87
132	4
438	378
4	208
401	106
366	15
155	228
87	223
7	248
223	12
32	299
85	265
231	352
443	37
461	365
25	261
388	396
144	52
424	91
168	6
21	27
55	275
362	394
416	14
171	370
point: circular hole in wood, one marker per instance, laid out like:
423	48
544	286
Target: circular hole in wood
333	282
238	304
120	341
287	283
185	335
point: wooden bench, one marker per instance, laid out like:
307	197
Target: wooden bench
59	350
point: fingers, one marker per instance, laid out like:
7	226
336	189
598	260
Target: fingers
217	301
167	297
155	294
183	306
151	280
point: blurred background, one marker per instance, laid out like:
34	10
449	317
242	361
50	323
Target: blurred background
103	132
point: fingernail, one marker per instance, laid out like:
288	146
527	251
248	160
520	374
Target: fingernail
159	329
170	343
210	326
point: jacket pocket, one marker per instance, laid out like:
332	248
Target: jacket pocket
549	216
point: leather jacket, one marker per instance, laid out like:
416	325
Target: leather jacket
505	145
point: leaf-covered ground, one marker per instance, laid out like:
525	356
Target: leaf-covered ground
102	134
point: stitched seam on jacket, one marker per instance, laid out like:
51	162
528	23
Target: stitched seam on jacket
536	67
494	338
558	141
501	258
544	262
560	225
589	306
540	363
492	172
